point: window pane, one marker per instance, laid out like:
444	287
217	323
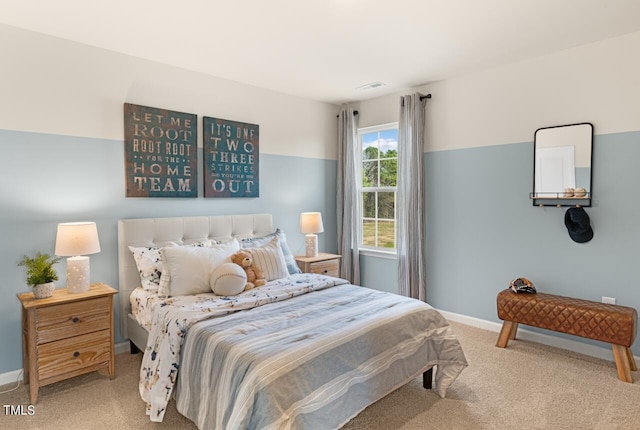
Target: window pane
387	234
369	233
386	205
388	172
370	146
370	173
370	153
369	205
388	144
388	140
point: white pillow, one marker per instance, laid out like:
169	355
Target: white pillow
157	278
270	260
228	279
190	267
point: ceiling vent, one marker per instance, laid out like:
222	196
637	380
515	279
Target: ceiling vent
370	86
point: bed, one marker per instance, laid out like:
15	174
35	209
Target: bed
305	351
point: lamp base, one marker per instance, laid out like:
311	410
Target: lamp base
78	274
311	245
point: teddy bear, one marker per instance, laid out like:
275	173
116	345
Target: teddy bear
255	278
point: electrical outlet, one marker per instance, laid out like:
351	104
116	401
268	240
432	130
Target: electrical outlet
610	300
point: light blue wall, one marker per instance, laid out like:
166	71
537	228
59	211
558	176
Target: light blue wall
47	179
583	176
482	230
379	273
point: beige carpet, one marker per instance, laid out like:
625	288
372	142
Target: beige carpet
526	386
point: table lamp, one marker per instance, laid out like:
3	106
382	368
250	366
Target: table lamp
75	240
310	224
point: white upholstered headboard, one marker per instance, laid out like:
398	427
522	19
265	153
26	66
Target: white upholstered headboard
181	230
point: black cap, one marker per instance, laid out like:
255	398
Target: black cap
577	222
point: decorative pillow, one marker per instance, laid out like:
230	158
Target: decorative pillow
165	277
252	242
228	279
270	260
149	262
190	267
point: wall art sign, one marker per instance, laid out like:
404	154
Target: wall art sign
161	152
231	158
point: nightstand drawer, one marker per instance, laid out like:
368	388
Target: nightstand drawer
328	267
68	355
72	319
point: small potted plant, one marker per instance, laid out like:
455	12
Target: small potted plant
41	274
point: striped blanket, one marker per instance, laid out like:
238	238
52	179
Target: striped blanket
173	317
313	361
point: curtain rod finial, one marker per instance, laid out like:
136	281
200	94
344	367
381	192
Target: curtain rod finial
355	112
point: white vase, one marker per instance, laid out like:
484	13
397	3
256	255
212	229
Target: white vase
42	291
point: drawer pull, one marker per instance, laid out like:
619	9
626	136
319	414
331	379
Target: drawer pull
326	271
76	354
75	319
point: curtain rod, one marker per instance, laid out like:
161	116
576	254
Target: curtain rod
428	96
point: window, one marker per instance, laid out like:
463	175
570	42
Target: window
379	171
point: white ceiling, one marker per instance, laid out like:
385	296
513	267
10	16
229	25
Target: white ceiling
325	49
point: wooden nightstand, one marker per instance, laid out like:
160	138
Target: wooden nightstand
67	335
323	264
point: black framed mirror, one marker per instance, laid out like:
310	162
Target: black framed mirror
562	170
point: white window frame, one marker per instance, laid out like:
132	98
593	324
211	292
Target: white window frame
376	251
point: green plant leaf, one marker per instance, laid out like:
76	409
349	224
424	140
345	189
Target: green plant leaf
40	268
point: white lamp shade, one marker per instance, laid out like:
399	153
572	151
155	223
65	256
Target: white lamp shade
311	222
77	238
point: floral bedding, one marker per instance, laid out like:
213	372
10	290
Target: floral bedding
142	302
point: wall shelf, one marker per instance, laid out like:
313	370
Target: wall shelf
557	199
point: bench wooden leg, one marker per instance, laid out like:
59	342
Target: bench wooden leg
514	329
508	330
632	361
623	364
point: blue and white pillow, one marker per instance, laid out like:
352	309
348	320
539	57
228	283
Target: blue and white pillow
269	259
253	242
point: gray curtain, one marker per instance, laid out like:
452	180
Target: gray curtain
410	198
348	200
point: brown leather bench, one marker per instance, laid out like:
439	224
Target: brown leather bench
613	324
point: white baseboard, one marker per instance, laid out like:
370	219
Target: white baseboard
545	339
122	347
12	377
